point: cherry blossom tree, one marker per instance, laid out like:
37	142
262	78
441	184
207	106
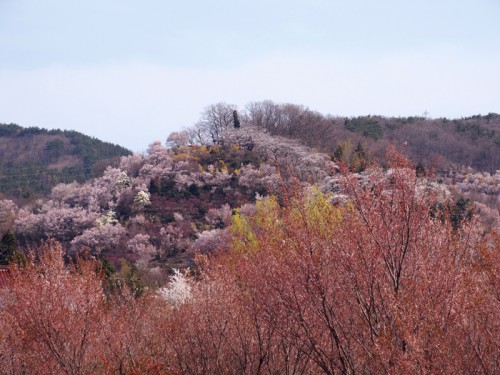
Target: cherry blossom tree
131	164
219	217
99	238
142	199
141	246
178	139
211	240
173	240
382	284
178	290
61	223
159	163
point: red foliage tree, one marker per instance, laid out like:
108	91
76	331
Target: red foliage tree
50	317
384	284
55	319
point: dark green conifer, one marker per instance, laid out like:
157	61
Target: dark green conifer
236	120
8	248
420	170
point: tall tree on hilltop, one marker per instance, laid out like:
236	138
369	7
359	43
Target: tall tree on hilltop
236	120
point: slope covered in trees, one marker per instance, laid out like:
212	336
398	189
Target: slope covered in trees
159	209
468	142
464	154
33	160
291	261
382	283
162	207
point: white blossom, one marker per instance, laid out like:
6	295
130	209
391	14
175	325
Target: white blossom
142	199
178	290
108	218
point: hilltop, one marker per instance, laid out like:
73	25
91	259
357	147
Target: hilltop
451	143
156	210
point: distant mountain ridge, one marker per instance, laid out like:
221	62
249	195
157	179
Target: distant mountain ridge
33	160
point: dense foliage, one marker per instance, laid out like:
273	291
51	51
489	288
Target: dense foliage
383	283
233	250
169	195
470	142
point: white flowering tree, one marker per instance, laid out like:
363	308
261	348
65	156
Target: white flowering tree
8	210
141	200
178	290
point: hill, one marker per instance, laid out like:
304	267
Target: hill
158	209
276	245
285	281
454	143
33	160
161	207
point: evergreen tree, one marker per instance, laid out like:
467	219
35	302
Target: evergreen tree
236	120
8	247
360	159
360	151
338	154
420	170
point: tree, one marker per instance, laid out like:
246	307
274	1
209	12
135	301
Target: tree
142	199
359	159
8	210
56	319
8	247
51	320
55	221
178	290
287	119
420	170
105	237
376	286
178	139
236	121
214	121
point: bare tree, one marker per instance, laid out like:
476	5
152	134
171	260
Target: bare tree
214	121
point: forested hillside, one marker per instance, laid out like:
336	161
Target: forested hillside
162	207
235	250
468	142
464	154
378	277
157	210
33	160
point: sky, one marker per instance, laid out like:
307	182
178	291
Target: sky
131	72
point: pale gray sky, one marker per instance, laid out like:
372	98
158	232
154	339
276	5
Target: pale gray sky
130	72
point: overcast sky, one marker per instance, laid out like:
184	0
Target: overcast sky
130	72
